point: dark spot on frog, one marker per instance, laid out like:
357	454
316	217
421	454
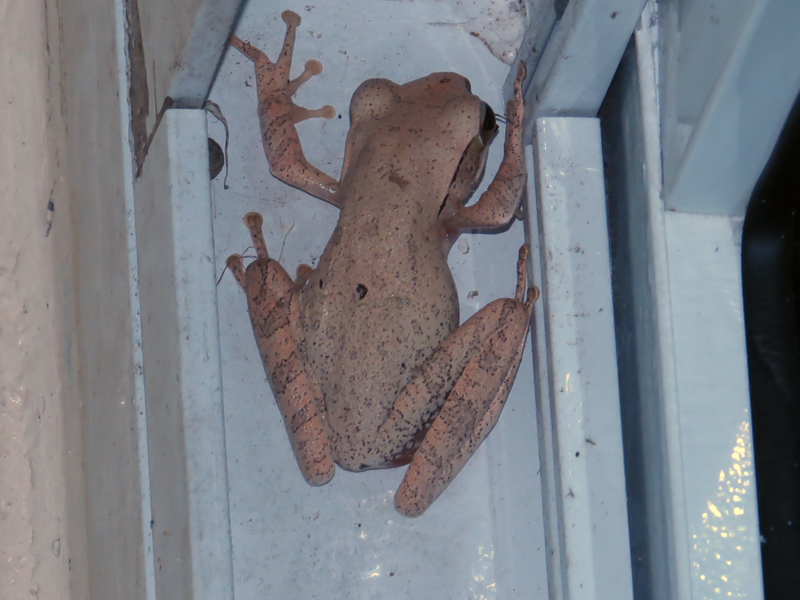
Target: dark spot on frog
577	454
320	284
614	15
361	290
395	178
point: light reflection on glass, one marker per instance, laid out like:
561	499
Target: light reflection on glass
484	587
717	576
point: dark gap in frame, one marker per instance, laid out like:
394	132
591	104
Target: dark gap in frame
771	287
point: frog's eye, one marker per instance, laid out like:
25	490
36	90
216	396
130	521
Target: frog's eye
488	123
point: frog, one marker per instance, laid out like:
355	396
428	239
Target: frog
365	355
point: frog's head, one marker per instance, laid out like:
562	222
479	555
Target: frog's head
470	126
435	120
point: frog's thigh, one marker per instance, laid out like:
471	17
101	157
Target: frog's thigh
273	302
472	406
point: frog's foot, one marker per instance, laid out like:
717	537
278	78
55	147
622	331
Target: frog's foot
303	274
499	204
459	393
273	78
279	114
274	306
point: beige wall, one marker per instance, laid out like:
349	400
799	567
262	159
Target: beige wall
71	519
66	381
41	541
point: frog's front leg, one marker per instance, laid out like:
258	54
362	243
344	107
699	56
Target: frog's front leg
467	380
279	114
498	204
274	305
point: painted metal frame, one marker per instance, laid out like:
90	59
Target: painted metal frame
682	353
577	390
182	365
577	386
729	78
688	277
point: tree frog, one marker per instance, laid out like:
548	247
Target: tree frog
365	355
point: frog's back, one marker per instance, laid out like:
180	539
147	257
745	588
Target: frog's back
383	298
376	307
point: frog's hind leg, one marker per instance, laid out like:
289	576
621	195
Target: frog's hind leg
274	305
469	377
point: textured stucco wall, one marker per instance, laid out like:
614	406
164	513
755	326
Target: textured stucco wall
72	523
35	557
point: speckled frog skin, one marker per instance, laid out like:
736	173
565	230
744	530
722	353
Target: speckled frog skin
365	354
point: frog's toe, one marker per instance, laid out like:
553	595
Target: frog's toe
298	113
312	68
522	71
291	18
254	221
533	295
236	266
